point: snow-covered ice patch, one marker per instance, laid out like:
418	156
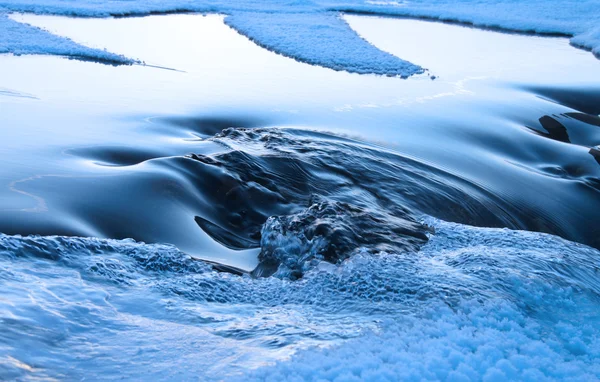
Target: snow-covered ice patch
312	31
322	39
18	38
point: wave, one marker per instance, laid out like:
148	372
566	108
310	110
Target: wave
298	195
472	301
337	195
374	267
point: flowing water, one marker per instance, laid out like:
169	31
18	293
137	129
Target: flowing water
223	208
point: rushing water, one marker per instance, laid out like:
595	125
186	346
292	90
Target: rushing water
356	198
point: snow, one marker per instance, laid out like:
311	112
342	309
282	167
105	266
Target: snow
589	40
312	31
18	38
320	39
576	19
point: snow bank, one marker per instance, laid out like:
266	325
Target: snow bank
323	39
17	38
576	19
312	31
589	40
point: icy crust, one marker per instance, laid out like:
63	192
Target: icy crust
576	19
18	38
322	39
312	31
589	40
301	30
544	17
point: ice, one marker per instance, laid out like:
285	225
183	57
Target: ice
576	19
589	40
18	38
312	31
323	39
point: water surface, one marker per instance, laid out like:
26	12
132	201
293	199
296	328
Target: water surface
226	152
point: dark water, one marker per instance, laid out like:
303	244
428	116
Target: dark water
356	198
312	184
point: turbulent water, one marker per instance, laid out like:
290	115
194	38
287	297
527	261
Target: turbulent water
343	233
472	302
432	237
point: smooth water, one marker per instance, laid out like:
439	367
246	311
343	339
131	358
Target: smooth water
343	189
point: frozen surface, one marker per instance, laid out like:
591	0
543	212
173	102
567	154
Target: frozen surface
312	31
318	38
18	38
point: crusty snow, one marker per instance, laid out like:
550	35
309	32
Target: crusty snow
18	38
310	31
320	39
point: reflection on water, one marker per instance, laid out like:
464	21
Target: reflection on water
102	151
451	51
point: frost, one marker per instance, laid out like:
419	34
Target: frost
17	38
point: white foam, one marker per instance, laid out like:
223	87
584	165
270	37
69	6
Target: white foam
474	304
534	317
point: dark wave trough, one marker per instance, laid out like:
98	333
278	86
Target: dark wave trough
301	196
